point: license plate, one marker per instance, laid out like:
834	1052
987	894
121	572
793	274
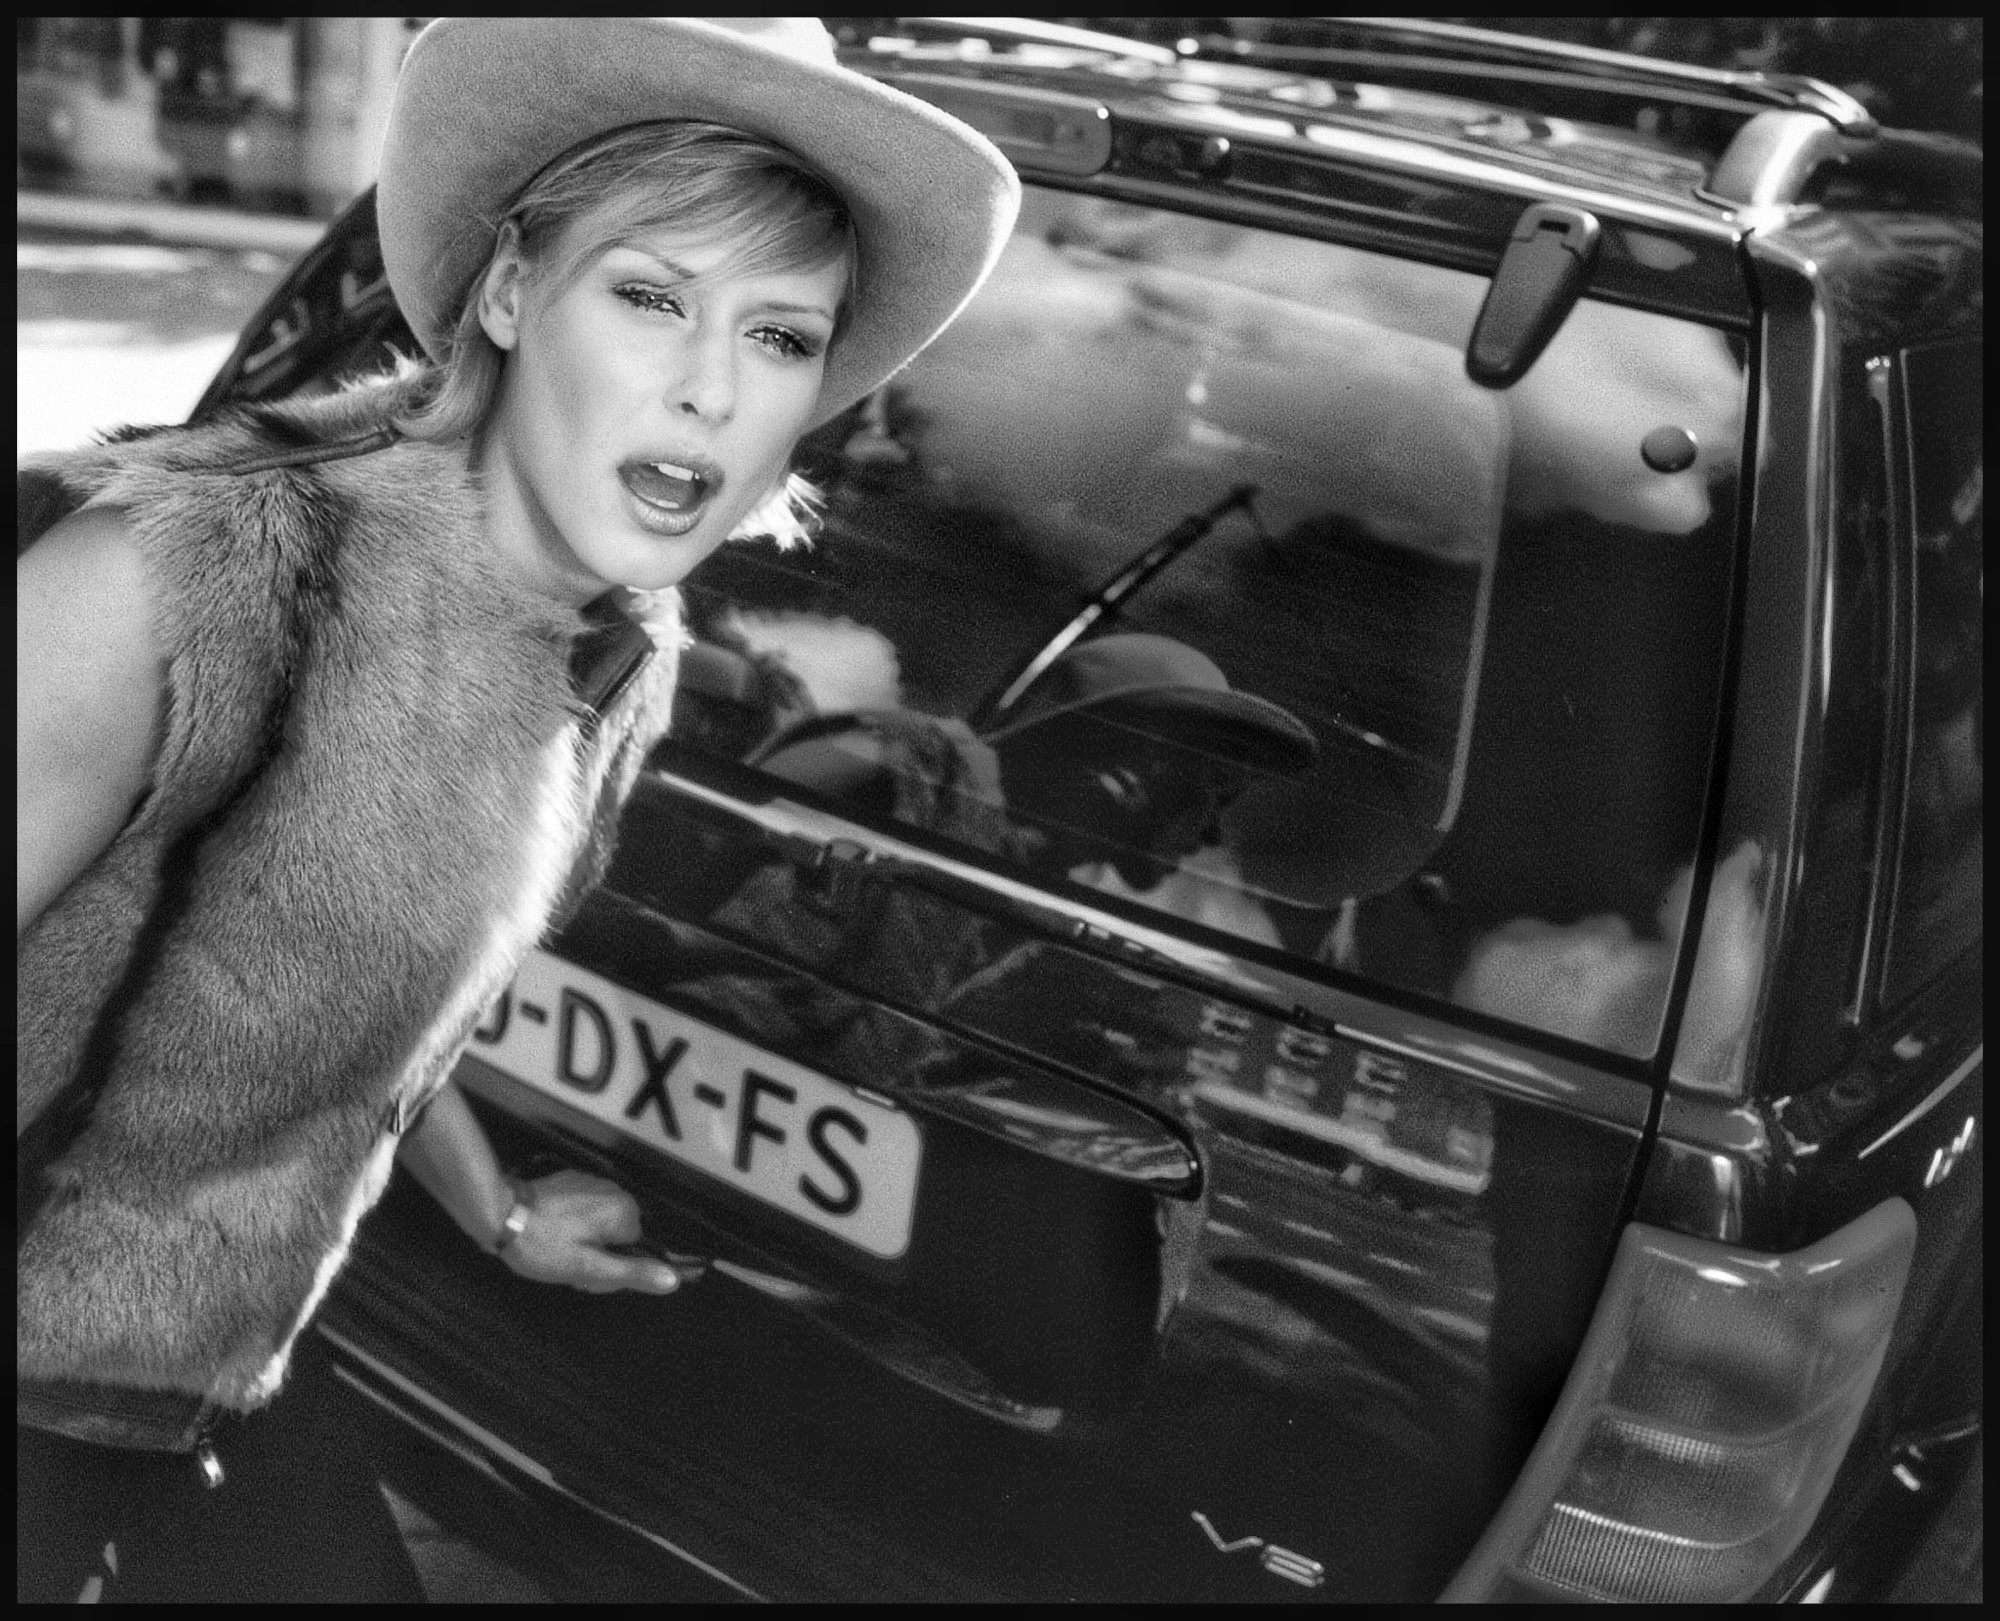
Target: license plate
809	1146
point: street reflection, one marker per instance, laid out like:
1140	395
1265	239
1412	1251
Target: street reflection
1120	357
1459	595
1098	279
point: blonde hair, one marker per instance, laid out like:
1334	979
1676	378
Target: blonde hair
701	180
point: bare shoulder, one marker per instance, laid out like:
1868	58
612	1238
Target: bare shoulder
91	688
93	545
86	637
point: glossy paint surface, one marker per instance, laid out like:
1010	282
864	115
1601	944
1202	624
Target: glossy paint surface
1225	1283
1334	1339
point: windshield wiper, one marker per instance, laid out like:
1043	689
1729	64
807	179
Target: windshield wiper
1105	601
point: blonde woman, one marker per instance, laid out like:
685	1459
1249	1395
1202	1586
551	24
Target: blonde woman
328	708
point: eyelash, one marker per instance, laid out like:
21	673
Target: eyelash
788	344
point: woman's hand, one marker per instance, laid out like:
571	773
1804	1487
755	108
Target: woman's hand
572	1217
572	1221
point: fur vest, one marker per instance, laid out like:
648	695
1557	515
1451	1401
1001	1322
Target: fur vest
376	786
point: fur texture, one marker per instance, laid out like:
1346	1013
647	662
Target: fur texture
409	790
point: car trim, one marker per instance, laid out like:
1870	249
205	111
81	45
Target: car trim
1937	1095
1405	156
1295	132
1603	1089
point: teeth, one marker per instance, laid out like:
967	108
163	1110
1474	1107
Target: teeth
672	471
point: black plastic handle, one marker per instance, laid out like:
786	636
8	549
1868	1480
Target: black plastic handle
1542	274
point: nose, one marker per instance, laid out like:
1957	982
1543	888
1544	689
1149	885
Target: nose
706	385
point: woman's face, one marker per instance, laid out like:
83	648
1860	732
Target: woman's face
646	407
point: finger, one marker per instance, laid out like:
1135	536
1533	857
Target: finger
600	1273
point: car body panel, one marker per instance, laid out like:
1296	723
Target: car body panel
1336	1268
1229	1279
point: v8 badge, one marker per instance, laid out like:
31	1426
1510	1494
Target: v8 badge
1293	1567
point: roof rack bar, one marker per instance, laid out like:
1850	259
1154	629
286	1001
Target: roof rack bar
1776	158
1033	31
1486	73
1771	160
1463	52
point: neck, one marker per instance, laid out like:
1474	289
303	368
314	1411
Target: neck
524	539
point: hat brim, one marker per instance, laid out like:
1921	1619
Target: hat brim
484	103
1234	726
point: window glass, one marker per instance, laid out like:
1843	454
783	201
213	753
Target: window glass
1940	867
1190	568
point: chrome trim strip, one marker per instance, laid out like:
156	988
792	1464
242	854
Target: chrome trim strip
528	1466
1644	74
1407	155
1286	996
1037	31
1971	1063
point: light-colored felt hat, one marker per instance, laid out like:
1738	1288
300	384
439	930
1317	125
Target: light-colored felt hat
483	104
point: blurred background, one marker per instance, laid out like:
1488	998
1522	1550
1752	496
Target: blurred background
169	169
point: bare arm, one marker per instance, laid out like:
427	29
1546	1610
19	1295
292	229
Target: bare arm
91	686
573	1215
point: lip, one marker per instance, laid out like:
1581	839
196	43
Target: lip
670	521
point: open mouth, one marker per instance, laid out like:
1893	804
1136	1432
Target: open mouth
667	485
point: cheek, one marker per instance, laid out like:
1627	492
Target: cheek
785	405
771	421
584	379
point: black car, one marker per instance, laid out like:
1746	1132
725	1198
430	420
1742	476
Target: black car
1518	1139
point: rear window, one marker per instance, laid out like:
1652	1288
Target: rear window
1940	868
1188	570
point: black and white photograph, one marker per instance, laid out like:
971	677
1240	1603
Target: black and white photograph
999	810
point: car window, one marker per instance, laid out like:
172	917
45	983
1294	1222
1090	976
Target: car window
1940	861
1189	568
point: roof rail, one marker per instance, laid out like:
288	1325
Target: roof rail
1782	158
1773	159
1033	31
1796	137
1453	54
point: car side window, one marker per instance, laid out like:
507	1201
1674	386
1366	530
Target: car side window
1941	853
1190	569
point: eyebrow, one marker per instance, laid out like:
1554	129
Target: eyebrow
683	273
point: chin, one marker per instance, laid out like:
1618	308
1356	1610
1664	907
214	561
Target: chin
649	562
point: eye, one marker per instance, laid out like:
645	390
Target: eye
789	345
655	299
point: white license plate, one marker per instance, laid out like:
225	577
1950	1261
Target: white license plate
811	1147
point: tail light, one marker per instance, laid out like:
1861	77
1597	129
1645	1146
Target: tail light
1712	1403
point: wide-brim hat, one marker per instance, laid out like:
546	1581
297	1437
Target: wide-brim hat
1167	692
483	104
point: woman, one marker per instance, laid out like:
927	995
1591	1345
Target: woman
328	708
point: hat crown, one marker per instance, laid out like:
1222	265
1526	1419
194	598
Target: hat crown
1098	671
1165	690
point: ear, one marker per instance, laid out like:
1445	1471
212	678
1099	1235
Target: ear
502	290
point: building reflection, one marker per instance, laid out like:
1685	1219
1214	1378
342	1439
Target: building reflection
275	114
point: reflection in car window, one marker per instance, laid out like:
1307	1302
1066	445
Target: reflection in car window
1940	869
1189	566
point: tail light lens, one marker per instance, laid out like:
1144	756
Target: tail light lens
1710	1408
